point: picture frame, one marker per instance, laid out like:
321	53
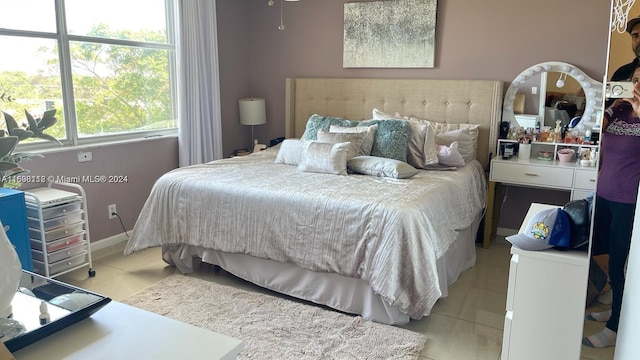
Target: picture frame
389	34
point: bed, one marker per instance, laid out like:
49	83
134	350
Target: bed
383	248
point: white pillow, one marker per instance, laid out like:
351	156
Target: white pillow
369	131
289	152
379	115
449	155
381	167
462	137
324	158
474	129
354	139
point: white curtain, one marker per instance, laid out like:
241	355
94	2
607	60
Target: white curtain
200	128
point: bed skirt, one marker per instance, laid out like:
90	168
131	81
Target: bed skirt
346	294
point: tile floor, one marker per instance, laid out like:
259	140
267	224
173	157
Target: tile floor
466	325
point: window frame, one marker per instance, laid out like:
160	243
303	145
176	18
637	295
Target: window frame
63	39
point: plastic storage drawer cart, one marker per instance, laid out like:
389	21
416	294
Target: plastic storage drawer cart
58	229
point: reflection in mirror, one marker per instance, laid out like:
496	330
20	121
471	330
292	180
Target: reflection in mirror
564	99
623	46
43	306
561	74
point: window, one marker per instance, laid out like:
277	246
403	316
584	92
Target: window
110	75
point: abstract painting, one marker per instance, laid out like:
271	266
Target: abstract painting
389	34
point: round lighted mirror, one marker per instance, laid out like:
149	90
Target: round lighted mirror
593	90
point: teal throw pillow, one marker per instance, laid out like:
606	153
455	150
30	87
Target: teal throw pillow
391	139
317	122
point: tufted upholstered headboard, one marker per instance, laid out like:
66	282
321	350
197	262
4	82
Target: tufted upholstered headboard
448	101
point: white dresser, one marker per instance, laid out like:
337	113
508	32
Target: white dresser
545	302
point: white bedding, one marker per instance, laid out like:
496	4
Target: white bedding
387	232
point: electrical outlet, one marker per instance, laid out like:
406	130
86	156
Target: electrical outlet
112	211
84	156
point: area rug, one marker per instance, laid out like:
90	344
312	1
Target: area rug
273	327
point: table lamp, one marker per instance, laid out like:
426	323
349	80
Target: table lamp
253	112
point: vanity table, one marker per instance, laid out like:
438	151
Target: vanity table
579	180
546	173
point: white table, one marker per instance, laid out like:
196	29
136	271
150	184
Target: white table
120	331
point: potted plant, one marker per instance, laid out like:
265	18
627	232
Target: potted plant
15	133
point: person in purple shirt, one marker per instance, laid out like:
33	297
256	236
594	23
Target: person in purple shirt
615	202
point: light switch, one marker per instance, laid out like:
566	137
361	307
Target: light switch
534	90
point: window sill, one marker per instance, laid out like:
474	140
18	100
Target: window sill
52	149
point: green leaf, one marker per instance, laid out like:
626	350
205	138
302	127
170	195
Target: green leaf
33	126
7	144
48	120
18	170
7	166
48	137
10	121
21	133
30	118
20	157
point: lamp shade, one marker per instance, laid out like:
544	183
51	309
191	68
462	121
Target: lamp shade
252	111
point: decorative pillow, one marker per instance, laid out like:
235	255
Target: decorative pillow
381	167
422	145
354	139
422	149
324	158
369	131
289	152
379	115
430	147
316	122
449	155
474	130
438	126
462	137
391	140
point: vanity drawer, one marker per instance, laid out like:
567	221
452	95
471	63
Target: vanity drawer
585	179
60	254
527	174
38	266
